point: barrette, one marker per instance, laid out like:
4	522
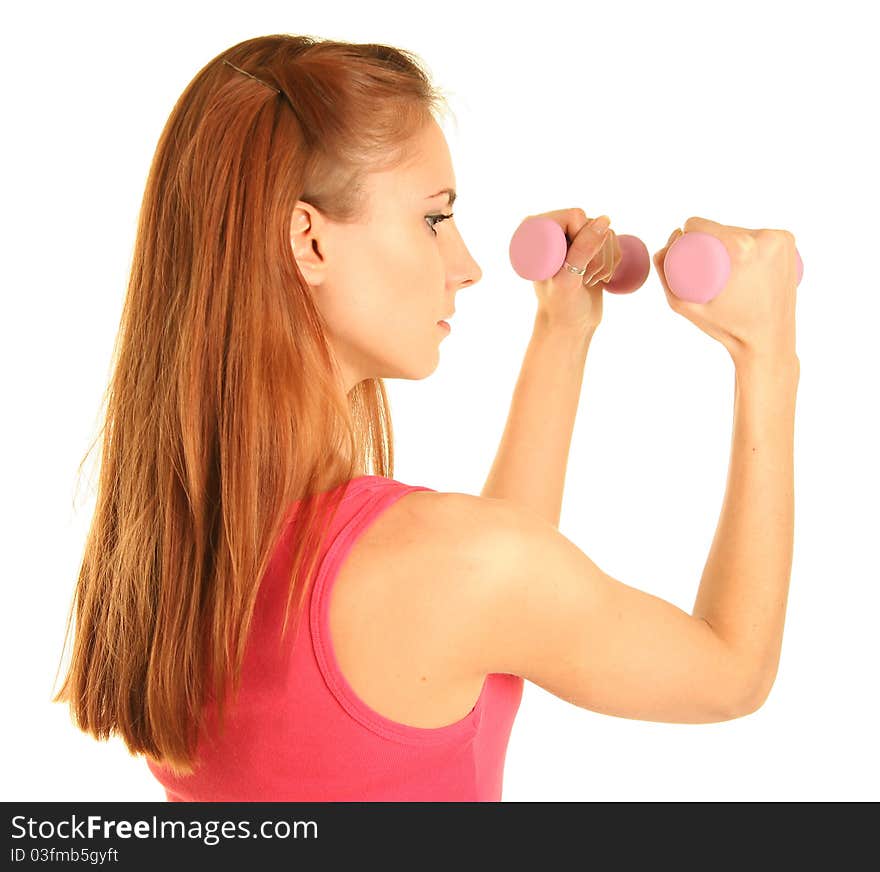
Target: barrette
250	75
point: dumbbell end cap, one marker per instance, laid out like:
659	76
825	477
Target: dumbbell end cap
537	248
697	267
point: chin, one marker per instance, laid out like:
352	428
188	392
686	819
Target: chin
425	371
412	360
416	372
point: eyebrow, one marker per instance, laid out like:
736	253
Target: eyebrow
452	195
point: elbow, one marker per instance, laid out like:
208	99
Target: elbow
750	702
744	710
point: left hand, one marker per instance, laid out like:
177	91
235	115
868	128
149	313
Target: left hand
567	301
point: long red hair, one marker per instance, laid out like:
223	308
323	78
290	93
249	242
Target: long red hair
223	405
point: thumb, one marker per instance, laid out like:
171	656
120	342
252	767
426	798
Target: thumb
659	258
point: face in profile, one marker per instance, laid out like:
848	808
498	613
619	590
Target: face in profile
383	284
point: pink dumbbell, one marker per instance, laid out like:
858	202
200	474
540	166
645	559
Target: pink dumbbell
539	245
696	267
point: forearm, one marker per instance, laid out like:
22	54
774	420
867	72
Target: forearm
744	589
530	465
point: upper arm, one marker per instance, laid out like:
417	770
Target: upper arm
529	602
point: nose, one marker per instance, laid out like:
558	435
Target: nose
464	270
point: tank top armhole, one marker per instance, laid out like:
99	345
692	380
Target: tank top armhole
380	495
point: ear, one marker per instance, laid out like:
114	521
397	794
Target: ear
304	226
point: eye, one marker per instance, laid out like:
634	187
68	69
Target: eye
436	219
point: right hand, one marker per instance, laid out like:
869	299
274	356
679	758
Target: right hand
755	313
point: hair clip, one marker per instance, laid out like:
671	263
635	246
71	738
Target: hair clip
249	75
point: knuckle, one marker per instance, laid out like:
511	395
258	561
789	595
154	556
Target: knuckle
746	243
775	238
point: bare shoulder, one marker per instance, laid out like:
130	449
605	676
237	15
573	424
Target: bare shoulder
394	613
500	589
462	515
446	559
426	557
456	541
433	532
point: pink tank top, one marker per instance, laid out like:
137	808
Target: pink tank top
298	732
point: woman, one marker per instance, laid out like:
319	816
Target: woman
266	619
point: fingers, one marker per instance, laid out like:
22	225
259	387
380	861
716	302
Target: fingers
611	257
602	267
607	261
603	273
586	241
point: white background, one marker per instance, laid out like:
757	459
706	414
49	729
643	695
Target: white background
759	114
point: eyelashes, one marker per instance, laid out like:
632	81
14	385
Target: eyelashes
434	220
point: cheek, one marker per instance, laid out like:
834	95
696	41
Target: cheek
407	278
390	283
